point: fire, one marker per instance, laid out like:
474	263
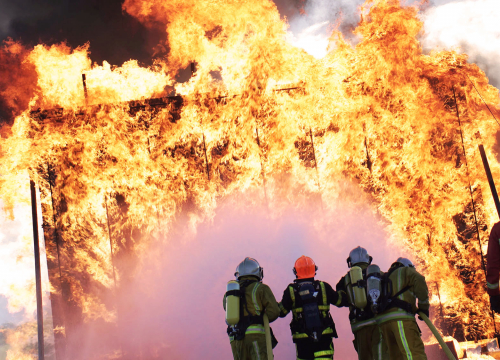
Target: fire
259	117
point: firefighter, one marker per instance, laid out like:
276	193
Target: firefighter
493	267
399	327
248	341
309	301
367	334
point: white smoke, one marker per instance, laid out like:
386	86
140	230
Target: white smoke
312	30
468	26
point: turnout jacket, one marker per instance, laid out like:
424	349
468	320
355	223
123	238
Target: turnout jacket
401	278
493	264
260	299
326	296
356	324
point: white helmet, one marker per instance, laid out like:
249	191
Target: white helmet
358	255
247	267
405	262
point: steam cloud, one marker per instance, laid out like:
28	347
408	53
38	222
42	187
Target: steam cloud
180	301
471	26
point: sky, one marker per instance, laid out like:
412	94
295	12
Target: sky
469	26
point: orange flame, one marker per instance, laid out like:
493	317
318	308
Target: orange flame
380	114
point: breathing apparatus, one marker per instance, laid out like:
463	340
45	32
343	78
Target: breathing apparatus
248	267
374	287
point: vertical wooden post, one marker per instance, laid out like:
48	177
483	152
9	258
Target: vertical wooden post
84	80
490	178
38	275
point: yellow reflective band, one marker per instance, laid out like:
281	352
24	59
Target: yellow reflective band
255	329
328	330
409	356
254	298
399	314
256	348
292	295
282	309
323	292
324	307
321	353
399	283
299	336
339	301
492	286
358	325
297	310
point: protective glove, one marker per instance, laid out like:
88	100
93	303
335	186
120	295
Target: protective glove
426	312
495	303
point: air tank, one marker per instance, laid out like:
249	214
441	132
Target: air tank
374	286
232	303
348	286
358	290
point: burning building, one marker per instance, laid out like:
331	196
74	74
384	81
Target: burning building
122	164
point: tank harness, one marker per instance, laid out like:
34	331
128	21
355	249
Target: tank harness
311	312
249	324
386	302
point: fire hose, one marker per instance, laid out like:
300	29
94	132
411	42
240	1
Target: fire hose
438	336
269	345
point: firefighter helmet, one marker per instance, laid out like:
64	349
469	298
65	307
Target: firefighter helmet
304	267
405	262
358	255
248	267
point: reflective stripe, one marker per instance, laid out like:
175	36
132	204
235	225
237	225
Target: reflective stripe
398	314
256	348
404	341
328	330
321	353
282	309
492	286
324	307
255	329
297	310
400	286
254	298
379	346
339	301
323	292
360	324
292	295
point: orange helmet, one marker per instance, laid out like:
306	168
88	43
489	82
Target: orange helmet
304	267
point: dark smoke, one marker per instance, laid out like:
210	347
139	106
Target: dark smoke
113	35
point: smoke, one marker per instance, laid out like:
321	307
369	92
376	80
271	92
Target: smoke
471	27
311	29
113	36
173	308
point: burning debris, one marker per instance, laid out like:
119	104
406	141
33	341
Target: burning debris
119	162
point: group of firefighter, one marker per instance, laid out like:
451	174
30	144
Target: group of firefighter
382	308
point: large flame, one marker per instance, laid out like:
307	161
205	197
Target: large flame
260	118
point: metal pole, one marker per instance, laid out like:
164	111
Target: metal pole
38	276
490	178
